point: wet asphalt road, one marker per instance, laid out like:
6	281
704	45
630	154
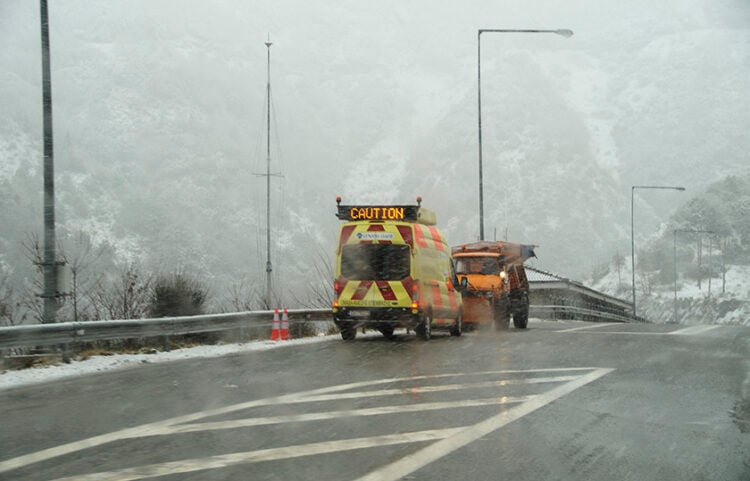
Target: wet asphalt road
559	401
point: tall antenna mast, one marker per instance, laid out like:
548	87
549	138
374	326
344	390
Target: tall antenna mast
269	269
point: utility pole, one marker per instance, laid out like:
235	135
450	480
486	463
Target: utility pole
49	265
268	175
723	266
700	255
632	226
269	269
710	264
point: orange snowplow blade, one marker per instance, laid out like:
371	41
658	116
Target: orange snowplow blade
513	253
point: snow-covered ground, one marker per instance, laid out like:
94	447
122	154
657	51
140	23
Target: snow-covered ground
53	372
694	304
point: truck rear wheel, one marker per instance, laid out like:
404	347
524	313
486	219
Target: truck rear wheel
501	316
521	314
521	320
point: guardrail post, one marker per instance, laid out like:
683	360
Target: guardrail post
166	343
65	348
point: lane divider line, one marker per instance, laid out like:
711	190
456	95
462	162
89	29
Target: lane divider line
321	416
273	454
447	440
693	330
299	397
410	463
598	324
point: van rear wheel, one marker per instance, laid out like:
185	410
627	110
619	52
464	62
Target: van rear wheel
458	327
387	331
424	329
348	333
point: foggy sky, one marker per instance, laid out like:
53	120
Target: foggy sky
159	114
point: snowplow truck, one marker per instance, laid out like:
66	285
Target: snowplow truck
393	270
493	284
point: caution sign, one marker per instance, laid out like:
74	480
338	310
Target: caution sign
409	213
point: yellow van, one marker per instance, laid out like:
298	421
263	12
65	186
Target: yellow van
394	269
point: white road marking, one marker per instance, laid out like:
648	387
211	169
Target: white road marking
159	427
688	331
693	330
433	452
294	418
598	324
439	388
288	452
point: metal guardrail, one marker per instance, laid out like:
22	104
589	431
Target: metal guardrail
40	335
555	312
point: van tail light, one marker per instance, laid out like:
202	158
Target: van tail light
338	285
414	296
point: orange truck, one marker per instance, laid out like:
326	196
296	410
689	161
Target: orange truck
393	270
493	283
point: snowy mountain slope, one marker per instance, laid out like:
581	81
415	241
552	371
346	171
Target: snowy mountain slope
160	129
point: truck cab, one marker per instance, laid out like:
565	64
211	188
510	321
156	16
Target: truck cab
493	283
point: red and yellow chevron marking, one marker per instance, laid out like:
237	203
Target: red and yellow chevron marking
426	236
435	234
375	294
453	299
437	299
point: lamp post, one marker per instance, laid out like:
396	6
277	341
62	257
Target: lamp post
632	227
674	259
562	32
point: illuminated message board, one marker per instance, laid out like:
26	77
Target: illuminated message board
407	213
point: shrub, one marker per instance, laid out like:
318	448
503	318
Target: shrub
177	295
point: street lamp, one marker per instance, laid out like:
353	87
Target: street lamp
632	226
674	260
562	32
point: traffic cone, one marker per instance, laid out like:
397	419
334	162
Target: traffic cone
275	331
284	326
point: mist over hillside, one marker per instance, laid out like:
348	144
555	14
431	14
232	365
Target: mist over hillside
697	266
160	130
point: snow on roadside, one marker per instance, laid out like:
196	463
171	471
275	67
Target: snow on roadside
41	374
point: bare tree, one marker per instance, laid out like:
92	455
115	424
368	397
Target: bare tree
31	299
126	296
619	261
646	280
242	297
82	258
12	311
319	290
